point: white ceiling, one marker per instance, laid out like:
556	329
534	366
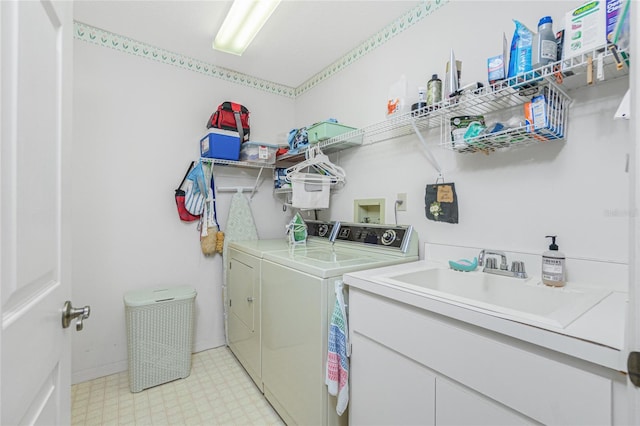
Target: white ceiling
301	38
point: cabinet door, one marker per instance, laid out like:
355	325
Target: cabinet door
243	297
456	405
388	388
243	289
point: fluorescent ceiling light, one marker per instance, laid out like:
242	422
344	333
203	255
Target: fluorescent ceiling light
242	23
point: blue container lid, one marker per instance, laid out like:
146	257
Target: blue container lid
545	20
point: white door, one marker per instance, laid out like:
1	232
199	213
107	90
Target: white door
633	326
36	74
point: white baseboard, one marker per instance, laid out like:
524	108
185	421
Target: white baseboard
99	371
123	365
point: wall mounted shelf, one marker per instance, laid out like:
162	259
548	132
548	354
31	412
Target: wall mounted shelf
249	164
246	164
562	77
555	81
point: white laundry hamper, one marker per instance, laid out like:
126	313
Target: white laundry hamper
159	335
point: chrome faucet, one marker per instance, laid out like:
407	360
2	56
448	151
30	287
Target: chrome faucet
485	252
517	267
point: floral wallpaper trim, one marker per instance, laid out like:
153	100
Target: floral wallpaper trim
424	9
105	38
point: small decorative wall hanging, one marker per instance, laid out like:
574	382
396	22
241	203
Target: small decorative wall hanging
441	202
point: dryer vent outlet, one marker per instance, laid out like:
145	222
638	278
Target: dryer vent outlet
369	210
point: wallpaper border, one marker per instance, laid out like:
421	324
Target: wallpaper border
100	37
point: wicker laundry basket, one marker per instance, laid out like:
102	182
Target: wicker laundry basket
159	335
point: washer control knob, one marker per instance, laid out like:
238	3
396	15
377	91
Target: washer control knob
388	237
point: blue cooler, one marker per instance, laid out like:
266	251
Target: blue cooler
222	144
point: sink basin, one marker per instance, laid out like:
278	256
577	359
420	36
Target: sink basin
526	300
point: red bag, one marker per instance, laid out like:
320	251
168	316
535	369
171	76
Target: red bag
231	116
180	194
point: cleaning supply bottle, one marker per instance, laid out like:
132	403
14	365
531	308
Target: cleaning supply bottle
544	44
434	90
553	270
422	95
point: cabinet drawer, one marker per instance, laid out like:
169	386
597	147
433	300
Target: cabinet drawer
544	386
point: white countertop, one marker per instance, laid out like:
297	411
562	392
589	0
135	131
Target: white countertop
596	336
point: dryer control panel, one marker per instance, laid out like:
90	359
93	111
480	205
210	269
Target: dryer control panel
321	229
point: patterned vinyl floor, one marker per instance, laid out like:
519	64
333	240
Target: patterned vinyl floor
218	392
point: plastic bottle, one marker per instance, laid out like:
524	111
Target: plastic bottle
422	94
545	48
434	90
553	270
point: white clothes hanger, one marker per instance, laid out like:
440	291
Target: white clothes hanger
320	164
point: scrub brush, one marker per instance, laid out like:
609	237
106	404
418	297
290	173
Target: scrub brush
219	241
209	242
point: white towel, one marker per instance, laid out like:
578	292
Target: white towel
337	372
310	191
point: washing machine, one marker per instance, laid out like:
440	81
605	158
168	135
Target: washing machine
243	295
298	297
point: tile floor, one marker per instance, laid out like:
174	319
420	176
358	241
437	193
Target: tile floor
218	392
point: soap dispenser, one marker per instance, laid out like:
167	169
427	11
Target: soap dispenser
553	269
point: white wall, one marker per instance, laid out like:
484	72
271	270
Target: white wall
508	200
137	124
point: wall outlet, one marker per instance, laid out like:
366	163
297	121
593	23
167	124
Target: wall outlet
402	206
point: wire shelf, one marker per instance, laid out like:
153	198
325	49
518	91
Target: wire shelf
336	143
611	65
248	164
550	123
600	65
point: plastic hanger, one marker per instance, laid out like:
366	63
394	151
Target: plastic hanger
319	163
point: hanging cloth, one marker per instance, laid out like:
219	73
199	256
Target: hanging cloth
211	238
338	352
310	191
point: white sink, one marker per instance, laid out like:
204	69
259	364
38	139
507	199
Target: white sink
527	300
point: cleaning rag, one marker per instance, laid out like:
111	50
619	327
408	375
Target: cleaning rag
337	373
310	191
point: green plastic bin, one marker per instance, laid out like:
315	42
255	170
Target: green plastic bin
326	130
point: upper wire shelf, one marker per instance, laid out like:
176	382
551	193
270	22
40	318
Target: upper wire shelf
248	164
594	67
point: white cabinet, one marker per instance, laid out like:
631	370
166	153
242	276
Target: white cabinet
458	405
243	321
388	388
481	377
